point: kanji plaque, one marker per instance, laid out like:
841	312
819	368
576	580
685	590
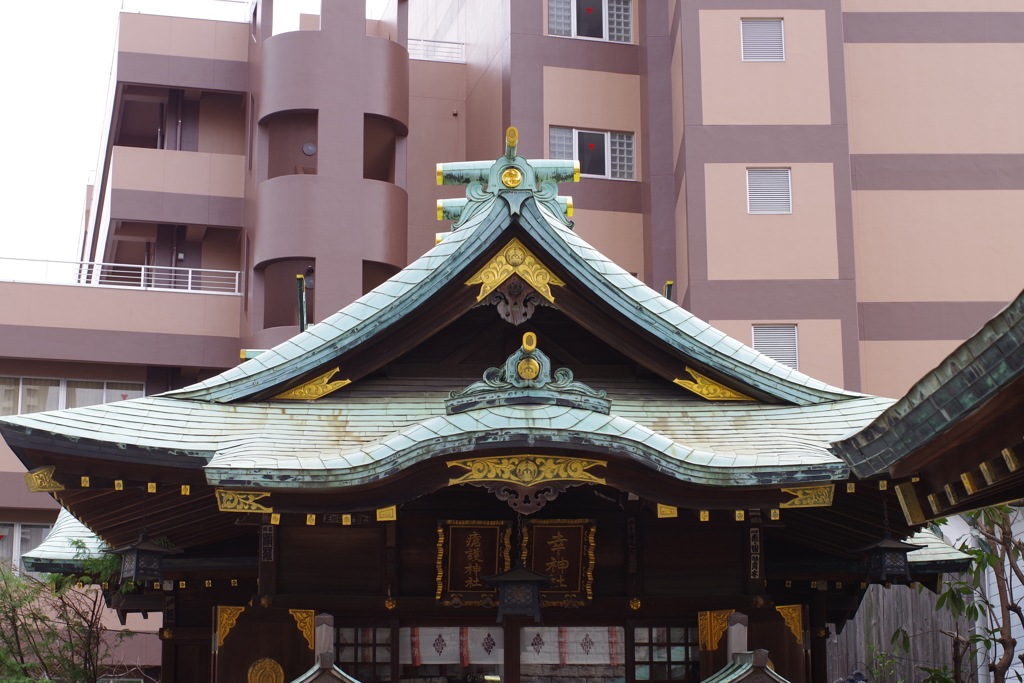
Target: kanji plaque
467	551
564	550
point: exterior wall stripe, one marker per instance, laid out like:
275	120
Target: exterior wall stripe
180	209
120	347
938	171
934	27
182	72
924	320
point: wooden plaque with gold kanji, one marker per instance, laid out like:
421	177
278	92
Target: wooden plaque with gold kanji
564	550
466	552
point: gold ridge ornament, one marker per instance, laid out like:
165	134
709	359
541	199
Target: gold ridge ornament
314	388
515	258
710	389
527	470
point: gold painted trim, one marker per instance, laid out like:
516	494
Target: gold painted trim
988	471
710	389
935	503
265	670
40	480
440	562
810	496
186	490
440	210
576	171
740	515
568	207
388	514
241	501
440	174
314	388
592	561
851	488
667	511
774	514
304	619
910	504
1012	463
951	494
704	515
227	617
529	342
711	626
515	258
527	470
793	616
972	486
507	551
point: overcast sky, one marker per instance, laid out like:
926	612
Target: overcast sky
57	58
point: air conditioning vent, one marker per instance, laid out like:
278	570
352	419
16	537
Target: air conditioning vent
778	342
769	190
763	40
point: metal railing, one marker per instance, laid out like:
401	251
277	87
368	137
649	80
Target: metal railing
120	275
437	50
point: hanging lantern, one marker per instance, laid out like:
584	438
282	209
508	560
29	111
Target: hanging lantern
518	592
142	560
887	558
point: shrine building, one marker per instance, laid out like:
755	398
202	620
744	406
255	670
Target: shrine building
511	462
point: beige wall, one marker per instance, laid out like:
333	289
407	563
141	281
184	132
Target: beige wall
678	122
616	234
167	170
436	90
935	98
819	344
796	246
222	123
682	246
598	100
764	93
933	6
890	368
96	308
180	37
945	245
222	249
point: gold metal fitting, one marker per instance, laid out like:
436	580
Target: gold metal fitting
440	209
575	172
568	207
634	603
440	174
528	368
512	136
529	342
511	177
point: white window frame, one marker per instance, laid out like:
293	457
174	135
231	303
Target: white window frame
62	388
604	26
16	551
782	29
796	342
789	177
607	135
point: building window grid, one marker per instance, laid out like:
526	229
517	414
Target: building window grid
22	395
666	654
562	144
778	342
364	653
17	538
762	40
618	20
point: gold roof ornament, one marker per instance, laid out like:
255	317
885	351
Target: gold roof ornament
527	470
711	626
710	389
40	480
241	501
515	258
227	617
810	496
315	388
305	620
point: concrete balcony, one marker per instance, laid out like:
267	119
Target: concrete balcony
185	188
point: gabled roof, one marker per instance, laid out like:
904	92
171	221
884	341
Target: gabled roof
65	548
970	376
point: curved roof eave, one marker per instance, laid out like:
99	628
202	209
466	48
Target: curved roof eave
368	315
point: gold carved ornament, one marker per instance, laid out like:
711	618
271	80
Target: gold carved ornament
527	470
793	616
241	501
511	177
227	617
40	480
315	388
711	626
265	670
710	389
810	496
440	562
592	560
305	620
516	259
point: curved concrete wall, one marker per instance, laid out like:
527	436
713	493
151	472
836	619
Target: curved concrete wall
336	216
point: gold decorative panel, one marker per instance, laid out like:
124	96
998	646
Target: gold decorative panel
793	616
315	388
265	670
515	258
40	480
304	619
810	496
527	470
227	617
711	626
710	389
241	501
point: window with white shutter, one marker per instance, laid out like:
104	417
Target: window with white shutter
778	342
769	190
763	40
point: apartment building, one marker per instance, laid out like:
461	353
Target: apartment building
836	182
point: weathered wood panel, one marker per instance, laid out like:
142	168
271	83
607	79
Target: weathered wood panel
881	613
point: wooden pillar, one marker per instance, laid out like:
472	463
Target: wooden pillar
512	627
819	638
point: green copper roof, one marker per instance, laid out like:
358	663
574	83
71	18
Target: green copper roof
967	378
57	552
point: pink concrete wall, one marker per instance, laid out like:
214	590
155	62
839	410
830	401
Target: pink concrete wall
819	344
616	234
792	92
181	37
890	368
168	170
743	246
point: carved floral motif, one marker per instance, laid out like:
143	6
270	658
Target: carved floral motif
793	616
304	619
241	501
527	470
710	389
515	258
711	626
265	670
314	388
227	617
810	496
40	480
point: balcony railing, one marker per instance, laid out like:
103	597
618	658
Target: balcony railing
437	50
120	275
